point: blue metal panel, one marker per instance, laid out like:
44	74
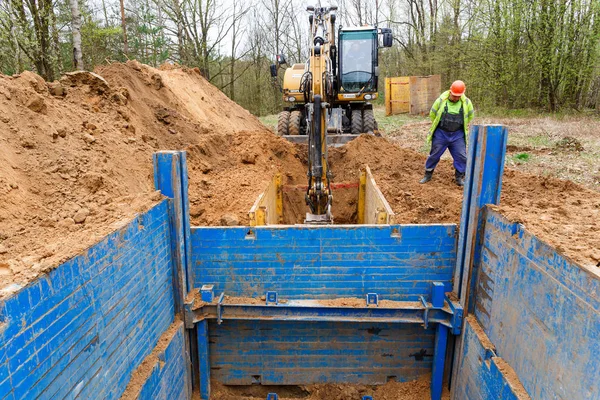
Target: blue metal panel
487	150
397	262
288	353
541	311
168	379
86	325
203	361
170	177
483	375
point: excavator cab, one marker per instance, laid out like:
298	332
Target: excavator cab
358	70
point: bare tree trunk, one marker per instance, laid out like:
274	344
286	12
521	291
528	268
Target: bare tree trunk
13	30
76	29
124	27
232	65
106	23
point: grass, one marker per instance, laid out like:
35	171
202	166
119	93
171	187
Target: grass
540	141
269	120
522	157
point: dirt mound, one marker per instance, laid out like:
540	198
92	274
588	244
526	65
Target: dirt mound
178	101
563	213
414	390
228	172
77	154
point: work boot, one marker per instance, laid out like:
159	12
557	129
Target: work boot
459	178
427	177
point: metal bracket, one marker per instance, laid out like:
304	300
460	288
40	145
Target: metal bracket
372	299
220	309
271	298
438	298
425	312
457	317
207	293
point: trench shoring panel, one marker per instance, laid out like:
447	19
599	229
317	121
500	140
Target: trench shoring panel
398	262
540	310
292	353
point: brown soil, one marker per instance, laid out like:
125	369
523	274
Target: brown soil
76	166
143	372
76	161
563	213
415	390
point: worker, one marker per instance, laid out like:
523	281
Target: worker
450	116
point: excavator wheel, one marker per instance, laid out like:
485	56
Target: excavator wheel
283	123
295	123
357	122
369	123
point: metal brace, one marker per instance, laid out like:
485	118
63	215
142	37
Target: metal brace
457	316
220	309
271	298
372	299
207	293
425	312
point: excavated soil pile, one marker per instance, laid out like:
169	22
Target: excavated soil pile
415	390
562	213
76	154
228	172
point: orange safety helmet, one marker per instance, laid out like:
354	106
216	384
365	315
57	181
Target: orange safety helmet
457	88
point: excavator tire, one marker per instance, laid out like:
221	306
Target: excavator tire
283	123
369	123
295	123
357	122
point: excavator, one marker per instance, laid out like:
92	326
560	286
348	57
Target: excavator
329	97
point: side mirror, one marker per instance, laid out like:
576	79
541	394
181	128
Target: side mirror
273	70
281	59
388	39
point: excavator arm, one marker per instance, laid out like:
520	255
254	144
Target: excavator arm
318	96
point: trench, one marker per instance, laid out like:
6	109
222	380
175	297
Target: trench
353	203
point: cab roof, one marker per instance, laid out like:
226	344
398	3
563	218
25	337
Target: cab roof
358	28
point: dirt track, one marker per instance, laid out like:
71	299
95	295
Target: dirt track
77	166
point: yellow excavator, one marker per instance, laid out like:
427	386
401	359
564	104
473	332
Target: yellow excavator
328	98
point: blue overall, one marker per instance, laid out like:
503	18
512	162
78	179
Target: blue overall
453	141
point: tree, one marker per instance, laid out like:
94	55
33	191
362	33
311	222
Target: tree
76	29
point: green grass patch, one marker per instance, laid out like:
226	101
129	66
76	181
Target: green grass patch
539	141
269	120
521	157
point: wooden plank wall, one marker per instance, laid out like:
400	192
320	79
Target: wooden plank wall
411	94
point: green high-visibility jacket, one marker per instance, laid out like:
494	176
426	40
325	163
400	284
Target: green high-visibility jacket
438	109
